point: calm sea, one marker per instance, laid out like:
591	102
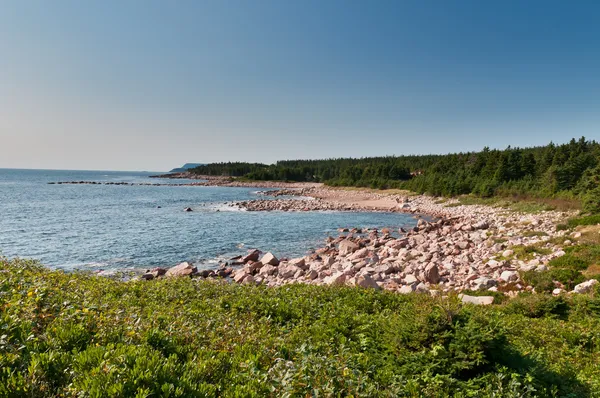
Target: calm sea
122	227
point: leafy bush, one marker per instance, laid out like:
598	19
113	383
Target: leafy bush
77	335
570	262
588	220
568	277
541	281
537	306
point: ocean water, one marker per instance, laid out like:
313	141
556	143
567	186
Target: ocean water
121	227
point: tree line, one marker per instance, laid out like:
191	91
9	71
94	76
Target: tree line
566	170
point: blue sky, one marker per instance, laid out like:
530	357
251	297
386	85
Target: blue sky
149	85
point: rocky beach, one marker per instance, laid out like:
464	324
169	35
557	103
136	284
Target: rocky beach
453	247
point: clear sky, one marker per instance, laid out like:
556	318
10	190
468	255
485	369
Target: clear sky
150	85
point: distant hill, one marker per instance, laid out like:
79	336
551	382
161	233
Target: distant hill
186	167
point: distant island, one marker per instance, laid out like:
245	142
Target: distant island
186	167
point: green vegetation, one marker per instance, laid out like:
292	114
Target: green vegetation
77	335
529	252
589	220
566	173
577	265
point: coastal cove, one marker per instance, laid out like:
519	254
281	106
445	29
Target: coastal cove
108	226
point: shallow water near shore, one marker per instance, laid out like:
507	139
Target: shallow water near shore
96	227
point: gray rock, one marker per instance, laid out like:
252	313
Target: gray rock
585	287
509	276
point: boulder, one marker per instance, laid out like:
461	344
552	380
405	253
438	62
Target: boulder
507	253
188	209
224	272
509	276
206	273
299	262
251	256
405	289
481	225
148	276
288	271
585	287
347	247
367	282
477	300
361	253
267	270
269	258
158	271
240	275
410	279
312	275
432	274
339	278
253	266
183	269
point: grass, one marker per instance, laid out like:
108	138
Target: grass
586	220
77	335
531	234
578	264
529	252
522	204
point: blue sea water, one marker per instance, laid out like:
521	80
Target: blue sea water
121	227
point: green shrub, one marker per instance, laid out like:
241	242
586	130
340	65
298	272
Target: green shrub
590	203
537	306
71	334
569	261
588	220
568	277
541	281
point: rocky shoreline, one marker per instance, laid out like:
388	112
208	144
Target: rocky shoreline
465	248
207	181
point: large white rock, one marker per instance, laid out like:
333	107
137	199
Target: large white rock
585	287
509	276
477	300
